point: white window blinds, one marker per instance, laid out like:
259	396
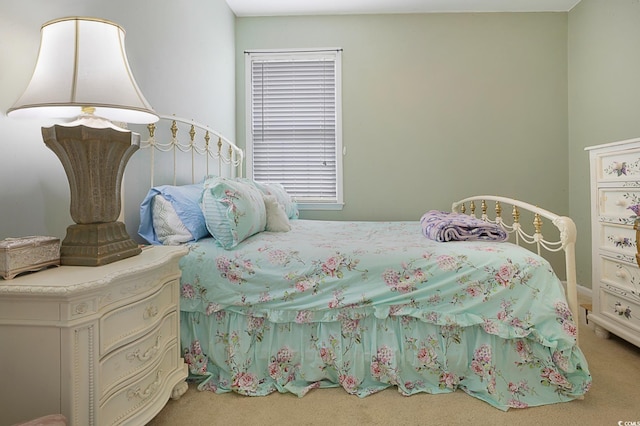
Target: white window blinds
294	123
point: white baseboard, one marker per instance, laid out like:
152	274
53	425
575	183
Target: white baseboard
584	291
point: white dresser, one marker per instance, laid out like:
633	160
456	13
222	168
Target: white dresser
615	194
98	344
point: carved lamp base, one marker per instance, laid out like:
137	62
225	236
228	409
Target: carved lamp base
94	159
97	244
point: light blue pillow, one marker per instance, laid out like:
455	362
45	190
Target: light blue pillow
233	210
185	200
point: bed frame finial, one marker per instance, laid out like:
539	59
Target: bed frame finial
174	129
537	223
192	134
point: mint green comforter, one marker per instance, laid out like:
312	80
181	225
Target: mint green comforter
368	305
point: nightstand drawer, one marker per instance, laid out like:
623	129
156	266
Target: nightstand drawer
135	357
620	274
122	325
614	205
621	306
140	393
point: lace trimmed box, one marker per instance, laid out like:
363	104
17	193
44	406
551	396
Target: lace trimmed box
25	254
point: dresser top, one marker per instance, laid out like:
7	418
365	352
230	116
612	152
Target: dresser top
66	280
630	143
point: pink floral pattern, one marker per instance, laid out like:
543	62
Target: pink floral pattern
405	279
291	316
281	368
382	365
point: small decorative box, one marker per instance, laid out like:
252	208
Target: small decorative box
27	254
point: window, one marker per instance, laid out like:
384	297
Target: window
294	132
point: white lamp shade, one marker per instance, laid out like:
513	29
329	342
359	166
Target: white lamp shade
82	63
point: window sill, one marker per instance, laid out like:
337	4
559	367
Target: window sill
320	206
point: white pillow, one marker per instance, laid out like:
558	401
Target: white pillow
169	228
283	197
277	220
185	203
281	194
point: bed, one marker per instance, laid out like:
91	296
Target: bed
274	303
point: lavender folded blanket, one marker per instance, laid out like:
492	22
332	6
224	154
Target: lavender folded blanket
444	226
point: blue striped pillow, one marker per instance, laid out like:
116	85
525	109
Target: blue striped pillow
233	210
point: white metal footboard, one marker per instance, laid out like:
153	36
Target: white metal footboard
563	240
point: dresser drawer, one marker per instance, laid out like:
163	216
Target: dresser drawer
620	274
618	166
136	356
621	306
618	239
614	205
122	325
143	391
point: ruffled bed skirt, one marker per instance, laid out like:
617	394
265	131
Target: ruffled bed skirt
252	356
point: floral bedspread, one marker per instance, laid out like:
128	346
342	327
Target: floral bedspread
368	305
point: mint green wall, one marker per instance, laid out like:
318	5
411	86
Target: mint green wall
182	54
437	107
430	101
604	98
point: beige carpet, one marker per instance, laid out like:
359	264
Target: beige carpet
614	397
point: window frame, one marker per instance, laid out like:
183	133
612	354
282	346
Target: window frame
297	54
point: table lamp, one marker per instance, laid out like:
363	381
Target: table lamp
82	74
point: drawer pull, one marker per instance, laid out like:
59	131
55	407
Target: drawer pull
622	310
620	273
149	353
150	312
150	390
621	202
621	241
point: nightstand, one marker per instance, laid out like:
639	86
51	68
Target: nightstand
100	345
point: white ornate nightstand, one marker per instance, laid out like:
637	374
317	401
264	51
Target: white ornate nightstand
100	345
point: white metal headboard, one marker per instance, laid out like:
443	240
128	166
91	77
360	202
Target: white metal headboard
201	143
